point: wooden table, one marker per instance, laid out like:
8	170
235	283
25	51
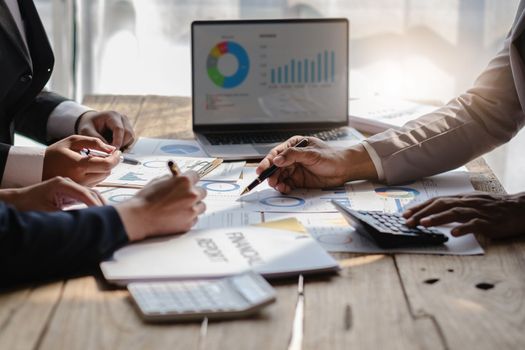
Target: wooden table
377	301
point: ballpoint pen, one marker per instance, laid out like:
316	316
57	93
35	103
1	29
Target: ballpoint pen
269	172
174	168
95	153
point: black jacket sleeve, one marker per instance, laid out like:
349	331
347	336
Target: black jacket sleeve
32	120
38	245
4	152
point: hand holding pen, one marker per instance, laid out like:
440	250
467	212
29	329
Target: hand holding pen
316	166
96	153
270	171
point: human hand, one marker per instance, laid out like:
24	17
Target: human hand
496	216
315	166
63	159
50	195
109	126
166	206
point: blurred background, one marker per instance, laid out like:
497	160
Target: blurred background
425	50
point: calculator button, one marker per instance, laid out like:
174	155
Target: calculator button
250	289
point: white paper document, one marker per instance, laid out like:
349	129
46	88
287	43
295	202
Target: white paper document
364	195
167	147
112	195
266	199
115	195
217	253
330	230
220	219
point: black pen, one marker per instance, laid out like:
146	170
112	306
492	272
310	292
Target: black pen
269	172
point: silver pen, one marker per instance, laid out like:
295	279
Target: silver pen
96	153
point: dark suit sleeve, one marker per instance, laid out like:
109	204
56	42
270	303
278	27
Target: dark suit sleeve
38	245
4	152
32	120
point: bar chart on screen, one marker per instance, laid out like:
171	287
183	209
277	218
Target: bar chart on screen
317	69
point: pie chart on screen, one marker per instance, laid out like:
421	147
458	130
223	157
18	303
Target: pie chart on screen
240	71
179	149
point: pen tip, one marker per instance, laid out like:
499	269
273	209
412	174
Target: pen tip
246	190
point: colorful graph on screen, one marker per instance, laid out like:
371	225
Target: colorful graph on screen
243	64
313	70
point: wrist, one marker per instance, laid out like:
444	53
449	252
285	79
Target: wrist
135	218
358	164
80	119
10	195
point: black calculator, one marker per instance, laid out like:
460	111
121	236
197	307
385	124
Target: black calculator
389	230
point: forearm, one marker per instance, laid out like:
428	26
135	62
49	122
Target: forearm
9	195
38	245
358	164
484	117
135	219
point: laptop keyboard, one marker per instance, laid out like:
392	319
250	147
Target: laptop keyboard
273	137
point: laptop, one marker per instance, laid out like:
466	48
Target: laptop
255	83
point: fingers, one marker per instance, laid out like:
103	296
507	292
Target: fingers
290	156
201	193
117	125
430	207
118	130
96	169
90	131
101	164
192	176
72	190
268	160
121	129
449	216
79	142
199	208
97	194
477	225
129	134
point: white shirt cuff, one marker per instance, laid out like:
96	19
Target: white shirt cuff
375	159
61	122
24	167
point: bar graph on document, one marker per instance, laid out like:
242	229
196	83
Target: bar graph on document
318	69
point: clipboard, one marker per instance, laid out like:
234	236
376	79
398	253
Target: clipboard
129	176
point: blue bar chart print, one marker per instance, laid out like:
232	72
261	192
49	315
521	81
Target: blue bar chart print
318	69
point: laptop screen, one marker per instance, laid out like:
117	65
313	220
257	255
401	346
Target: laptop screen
270	72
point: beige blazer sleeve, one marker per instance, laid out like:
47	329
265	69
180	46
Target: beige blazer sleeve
484	117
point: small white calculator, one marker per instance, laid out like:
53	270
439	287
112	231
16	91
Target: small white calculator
229	297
